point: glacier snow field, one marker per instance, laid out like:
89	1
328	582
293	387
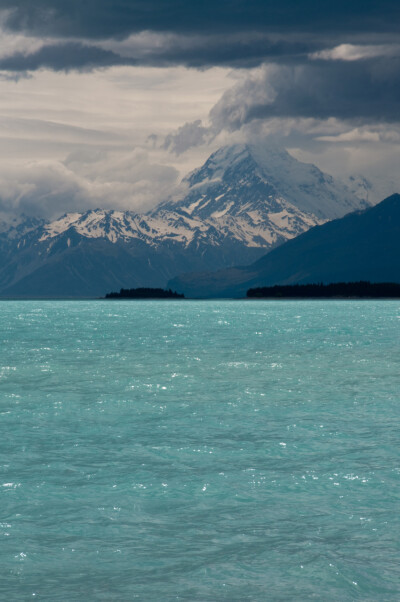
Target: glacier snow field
199	450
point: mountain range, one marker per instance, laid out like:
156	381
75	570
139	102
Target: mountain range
245	200
363	245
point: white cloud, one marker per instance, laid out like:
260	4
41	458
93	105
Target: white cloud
381	133
11	43
356	52
377	161
87	179
72	141
69	141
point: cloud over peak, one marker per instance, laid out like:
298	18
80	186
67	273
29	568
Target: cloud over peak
318	89
79	74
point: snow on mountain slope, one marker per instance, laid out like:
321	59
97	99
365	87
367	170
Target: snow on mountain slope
260	197
125	226
19	226
304	185
363	245
242	202
242	178
252	228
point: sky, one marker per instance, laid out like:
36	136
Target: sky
109	103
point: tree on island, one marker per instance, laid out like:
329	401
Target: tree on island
144	293
320	291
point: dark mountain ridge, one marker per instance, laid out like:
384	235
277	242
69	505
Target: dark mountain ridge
363	245
244	201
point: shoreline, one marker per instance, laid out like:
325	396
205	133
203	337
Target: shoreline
251	299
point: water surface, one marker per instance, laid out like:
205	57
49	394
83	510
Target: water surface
199	451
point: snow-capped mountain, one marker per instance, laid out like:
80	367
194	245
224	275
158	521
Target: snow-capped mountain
363	245
235	194
242	202
16	227
260	180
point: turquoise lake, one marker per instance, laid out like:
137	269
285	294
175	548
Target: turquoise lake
199	451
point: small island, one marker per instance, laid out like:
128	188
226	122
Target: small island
337	290
144	293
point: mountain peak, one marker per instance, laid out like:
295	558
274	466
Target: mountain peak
245	200
363	245
261	177
227	158
94	223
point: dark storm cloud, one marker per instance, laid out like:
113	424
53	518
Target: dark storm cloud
245	50
289	35
365	90
198	52
199	34
187	136
119	18
59	57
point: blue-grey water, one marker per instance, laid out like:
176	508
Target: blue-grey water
199	451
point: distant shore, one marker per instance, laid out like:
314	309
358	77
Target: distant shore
337	290
334	291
